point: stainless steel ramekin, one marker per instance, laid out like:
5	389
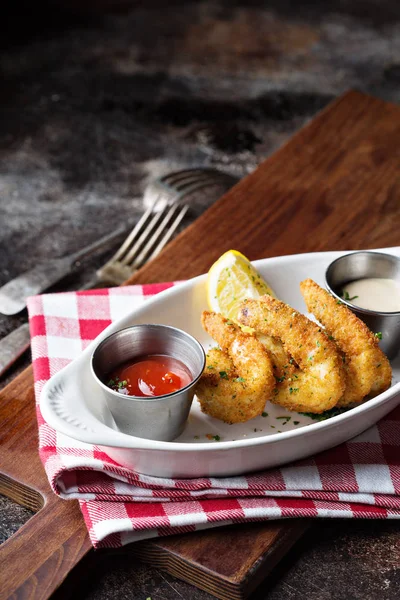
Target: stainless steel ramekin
155	417
360	265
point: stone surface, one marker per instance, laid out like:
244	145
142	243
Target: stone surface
335	560
12	517
93	105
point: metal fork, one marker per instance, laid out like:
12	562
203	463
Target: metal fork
163	197
182	183
153	231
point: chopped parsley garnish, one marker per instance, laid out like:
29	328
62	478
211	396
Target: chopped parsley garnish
345	295
115	384
241	379
296	422
333	412
292	390
379	335
210	436
284	418
223	374
264	414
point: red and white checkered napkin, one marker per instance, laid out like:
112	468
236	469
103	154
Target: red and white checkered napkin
358	479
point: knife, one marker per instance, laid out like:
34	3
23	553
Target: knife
13	294
12	346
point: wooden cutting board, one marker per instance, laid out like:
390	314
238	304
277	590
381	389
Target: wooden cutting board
334	186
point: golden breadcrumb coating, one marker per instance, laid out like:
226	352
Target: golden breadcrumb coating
238	378
368	371
317	383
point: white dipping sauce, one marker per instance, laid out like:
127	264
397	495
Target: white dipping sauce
378	294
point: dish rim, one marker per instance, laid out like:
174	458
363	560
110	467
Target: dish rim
129	442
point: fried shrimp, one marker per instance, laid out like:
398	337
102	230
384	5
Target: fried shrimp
367	369
318	382
282	363
238	378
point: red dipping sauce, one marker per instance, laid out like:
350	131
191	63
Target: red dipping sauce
152	375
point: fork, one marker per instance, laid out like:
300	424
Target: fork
163	198
153	231
179	184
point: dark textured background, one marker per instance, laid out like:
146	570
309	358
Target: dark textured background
93	105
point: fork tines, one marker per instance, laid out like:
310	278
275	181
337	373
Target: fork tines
188	181
149	236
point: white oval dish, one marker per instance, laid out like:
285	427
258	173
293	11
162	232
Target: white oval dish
71	403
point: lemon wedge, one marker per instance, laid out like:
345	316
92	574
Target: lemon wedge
232	279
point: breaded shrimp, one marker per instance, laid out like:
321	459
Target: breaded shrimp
368	370
282	363
318	382
238	378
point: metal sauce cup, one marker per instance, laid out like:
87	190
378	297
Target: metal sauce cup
152	417
362	265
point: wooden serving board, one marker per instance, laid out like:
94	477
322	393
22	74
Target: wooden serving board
334	186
